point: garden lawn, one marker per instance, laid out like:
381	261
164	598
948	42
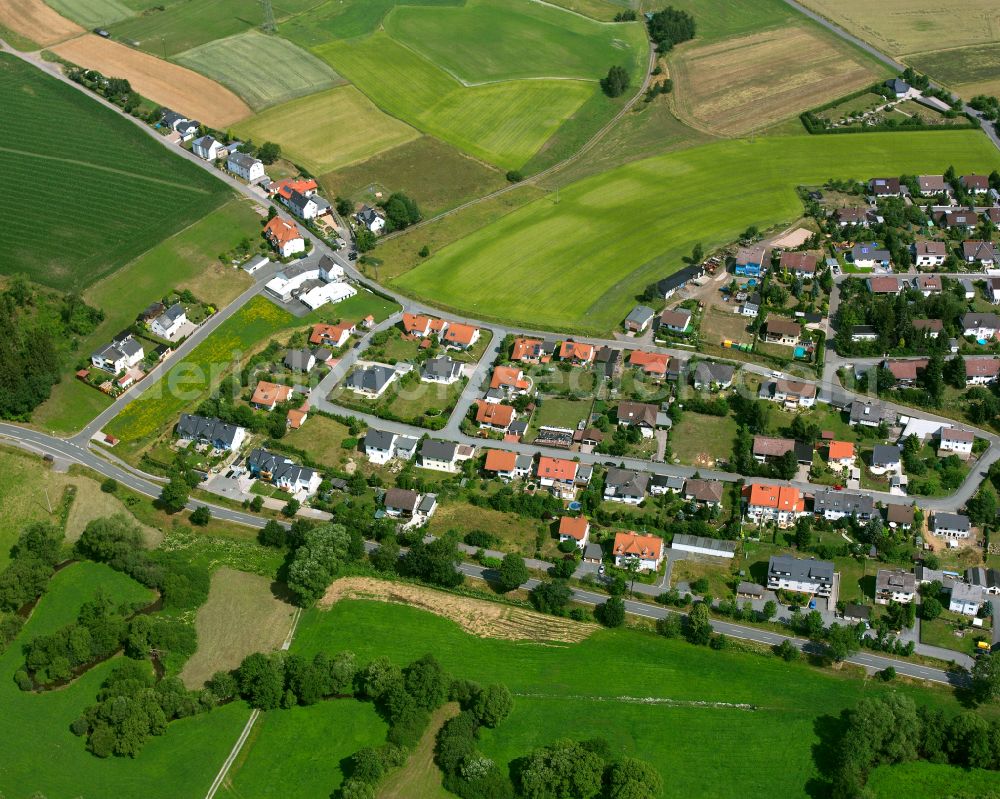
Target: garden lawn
489	40
504	123
321	438
187	260
578	259
700	440
554	412
941	632
300	753
263	70
92	207
925	780
576	690
34	728
328	130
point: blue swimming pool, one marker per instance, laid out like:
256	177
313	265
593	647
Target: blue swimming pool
574	506
800	352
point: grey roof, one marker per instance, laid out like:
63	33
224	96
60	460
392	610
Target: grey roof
855	611
866	252
280	467
322	354
298	360
846	502
950	521
976	576
895	580
438	450
171	315
898	85
442	368
667	481
242	160
863	330
711	372
962	592
204	141
518	427
702	542
627	482
367	214
378	439
524	462
201	428
593	551
678	278
749	588
801	569
372	378
640	315
885	455
427	503
971	320
406	444
298	201
871	412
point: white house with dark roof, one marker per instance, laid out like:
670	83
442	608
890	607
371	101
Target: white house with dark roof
118	356
956	441
169	324
371	219
965	599
209	148
211	430
441	370
246	166
980	325
951	525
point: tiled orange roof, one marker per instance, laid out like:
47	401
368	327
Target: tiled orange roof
841	449
640	546
783	498
500	460
574	526
270	393
556	468
458	333
296	416
321	334
504	376
652	363
288	185
416	323
280	231
526	348
495	415
576	351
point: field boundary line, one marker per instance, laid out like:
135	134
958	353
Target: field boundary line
100	168
578	13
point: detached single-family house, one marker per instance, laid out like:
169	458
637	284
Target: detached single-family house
371	381
401	503
868	256
975	184
577	353
676	320
335	336
895	585
575	529
170	323
209	148
304	206
299	481
284	237
929	253
932	185
460	336
770	503
440	456
653	364
794	394
267	396
751	305
905	370
711	375
964	219
752	261
246	166
901	516
846	217
853	613
214	431
979	325
840	455
639	319
965	599
420	326
980	371
663	484
782	331
510	380
379	445
371	219
932	327
767	448
951	525
527	350
646	550
494	416
928	284
300	360
957	441
800	264
624	485
884	285
982	252
641	414
501	463
885	459
802	575
833	505
441	370
863	333
704	492
886	187
121	354
558	475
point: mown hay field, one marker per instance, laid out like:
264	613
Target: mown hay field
503	123
92	13
487	40
263	70
36	21
968	70
577	259
346	19
743	84
193	95
96	190
328	130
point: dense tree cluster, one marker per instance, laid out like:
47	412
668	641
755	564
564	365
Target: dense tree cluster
669	27
585	770
401	211
32	560
432	562
317	560
615	82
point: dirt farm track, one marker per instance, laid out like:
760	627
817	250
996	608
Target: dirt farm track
187	92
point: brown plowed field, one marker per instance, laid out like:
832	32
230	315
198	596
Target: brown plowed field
168	84
36	21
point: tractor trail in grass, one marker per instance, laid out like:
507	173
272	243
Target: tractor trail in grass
647	700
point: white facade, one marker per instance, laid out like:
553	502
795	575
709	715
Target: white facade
250	169
168	327
328	292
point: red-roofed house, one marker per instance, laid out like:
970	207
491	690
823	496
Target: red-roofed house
800	264
578	353
284	237
297	416
779	504
269	395
651	363
574	528
492	416
528	350
501	462
905	371
840	455
461	336
332	335
284	188
646	549
510	380
558	475
979	371
884	285
418	325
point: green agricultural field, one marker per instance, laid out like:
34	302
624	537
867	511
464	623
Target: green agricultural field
488	40
182	762
263	70
970	70
504	123
187	260
101	191
346	19
577	260
165	29
300	752
329	130
572	690
92	13
930	781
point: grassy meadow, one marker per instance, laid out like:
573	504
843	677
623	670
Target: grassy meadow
931	781
328	130
346	19
91	207
968	70
577	259
179	764
263	70
675	705
91	13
